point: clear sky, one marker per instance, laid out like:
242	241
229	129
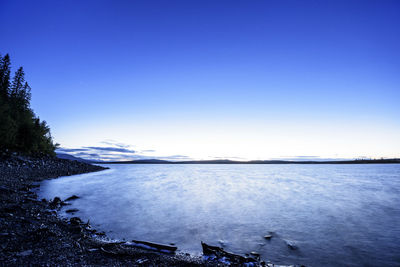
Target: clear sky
209	79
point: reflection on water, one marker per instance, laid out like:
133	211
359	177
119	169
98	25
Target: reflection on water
334	214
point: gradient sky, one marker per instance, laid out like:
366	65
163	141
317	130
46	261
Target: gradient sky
209	79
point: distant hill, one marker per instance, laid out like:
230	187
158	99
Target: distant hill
139	161
70	157
227	161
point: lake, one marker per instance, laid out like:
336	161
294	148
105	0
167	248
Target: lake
335	215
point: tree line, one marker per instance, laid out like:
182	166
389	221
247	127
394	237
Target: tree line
20	129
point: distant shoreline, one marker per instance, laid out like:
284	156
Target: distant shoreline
156	161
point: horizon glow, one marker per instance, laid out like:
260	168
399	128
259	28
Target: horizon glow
239	80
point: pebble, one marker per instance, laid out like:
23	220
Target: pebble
25	253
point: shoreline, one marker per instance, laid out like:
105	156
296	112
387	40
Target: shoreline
31	233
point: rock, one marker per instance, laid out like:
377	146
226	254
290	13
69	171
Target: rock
75	221
73	197
71	210
141	261
220	253
32	199
255	254
63	204
268	237
25	253
5	189
108	251
56	202
221	242
291	245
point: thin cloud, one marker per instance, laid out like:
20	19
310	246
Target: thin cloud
112	149
115	151
230	158
173	157
71	149
114	143
85	154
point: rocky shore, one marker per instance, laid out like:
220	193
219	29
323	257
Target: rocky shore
31	233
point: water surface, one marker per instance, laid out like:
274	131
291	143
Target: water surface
337	215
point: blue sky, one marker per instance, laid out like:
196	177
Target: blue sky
211	79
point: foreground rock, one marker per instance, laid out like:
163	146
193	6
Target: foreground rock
32	234
221	255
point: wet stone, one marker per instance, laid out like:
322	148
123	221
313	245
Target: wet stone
71	210
75	221
25	253
255	253
291	245
73	197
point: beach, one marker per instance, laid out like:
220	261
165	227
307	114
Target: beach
31	233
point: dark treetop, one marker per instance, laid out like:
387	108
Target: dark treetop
20	129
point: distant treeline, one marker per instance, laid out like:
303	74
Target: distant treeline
20	129
227	161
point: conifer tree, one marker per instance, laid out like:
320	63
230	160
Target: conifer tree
7	124
16	89
20	129
4	75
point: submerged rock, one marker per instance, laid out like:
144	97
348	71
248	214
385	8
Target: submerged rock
73	197
71	210
291	245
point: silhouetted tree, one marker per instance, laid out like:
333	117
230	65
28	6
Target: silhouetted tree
20	129
20	91
7	124
4	75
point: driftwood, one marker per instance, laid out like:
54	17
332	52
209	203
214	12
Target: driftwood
157	246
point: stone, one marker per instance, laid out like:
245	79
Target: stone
71	210
255	254
75	221
55	202
25	253
73	197
291	245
